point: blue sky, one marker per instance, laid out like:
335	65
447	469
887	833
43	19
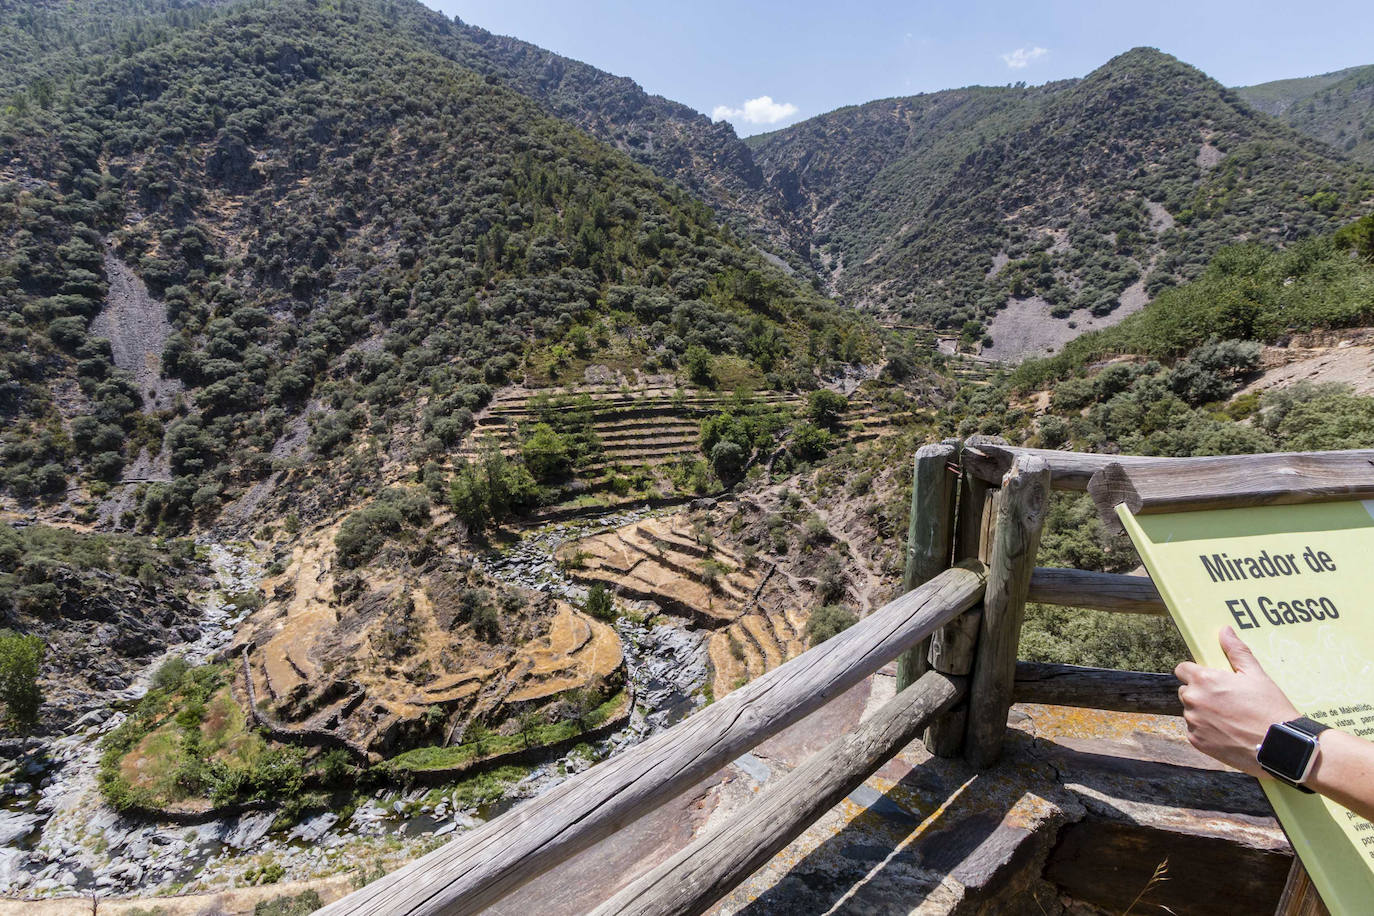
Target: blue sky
807	57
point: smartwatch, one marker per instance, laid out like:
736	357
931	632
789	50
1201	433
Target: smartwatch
1289	750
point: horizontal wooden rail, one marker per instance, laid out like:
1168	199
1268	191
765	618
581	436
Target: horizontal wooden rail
1068	470
1096	590
483	865
713	864
1097	688
1233	481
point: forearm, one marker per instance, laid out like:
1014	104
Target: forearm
1344	772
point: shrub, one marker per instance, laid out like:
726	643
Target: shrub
301	904
827	621
599	603
170	673
364	532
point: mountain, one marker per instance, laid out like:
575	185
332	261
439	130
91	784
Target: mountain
1079	198
334	239
45	44
1337	108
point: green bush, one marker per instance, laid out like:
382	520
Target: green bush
394	512
21	658
827	621
825	408
546	454
599	603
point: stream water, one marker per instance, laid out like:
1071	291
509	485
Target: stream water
57	836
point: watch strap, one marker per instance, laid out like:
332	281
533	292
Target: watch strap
1309	727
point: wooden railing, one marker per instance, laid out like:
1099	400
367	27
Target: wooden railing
978	508
486	863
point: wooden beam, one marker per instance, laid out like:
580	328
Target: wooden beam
1097	688
1233	481
1068	470
483	865
954	645
713	864
1022	504
929	536
1096	590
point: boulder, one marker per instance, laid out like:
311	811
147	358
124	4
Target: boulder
250	829
15	825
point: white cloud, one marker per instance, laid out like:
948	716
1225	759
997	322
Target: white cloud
762	110
1021	58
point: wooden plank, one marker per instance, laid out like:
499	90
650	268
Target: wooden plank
1068	470
1300	896
483	865
1022	504
1096	590
713	864
1233	481
929	536
1097	688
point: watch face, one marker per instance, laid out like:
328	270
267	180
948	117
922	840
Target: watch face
1286	752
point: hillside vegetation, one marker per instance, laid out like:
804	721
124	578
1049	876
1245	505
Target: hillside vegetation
942	208
1337	108
342	224
1247	292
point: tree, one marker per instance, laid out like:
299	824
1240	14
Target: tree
546	453
599	603
529	721
470	497
825	407
20	659
728	459
809	442
697	362
478	735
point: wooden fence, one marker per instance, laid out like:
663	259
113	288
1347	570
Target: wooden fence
978	508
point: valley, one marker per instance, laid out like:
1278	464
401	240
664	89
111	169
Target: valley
400	419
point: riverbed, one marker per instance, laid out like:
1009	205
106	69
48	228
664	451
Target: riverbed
58	837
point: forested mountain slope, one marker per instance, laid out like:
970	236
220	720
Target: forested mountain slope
1086	194
1337	108
342	224
46	44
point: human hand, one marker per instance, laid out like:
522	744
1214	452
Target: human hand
1229	712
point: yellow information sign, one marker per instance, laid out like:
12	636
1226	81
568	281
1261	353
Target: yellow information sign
1297	584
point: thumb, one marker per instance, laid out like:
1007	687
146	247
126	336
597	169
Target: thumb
1239	654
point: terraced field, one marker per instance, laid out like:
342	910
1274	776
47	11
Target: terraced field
642	431
755	613
369	659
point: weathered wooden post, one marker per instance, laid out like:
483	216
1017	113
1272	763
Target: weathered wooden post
952	647
1021	506
929	537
